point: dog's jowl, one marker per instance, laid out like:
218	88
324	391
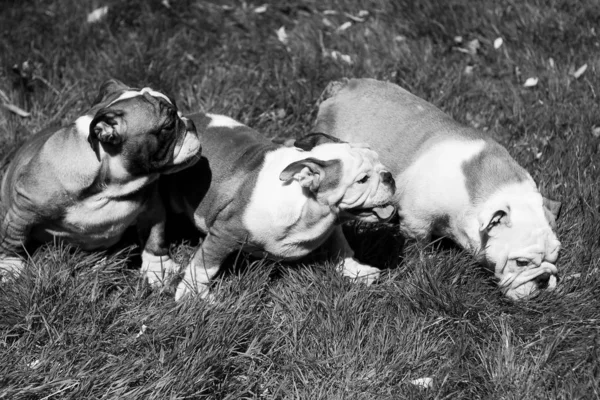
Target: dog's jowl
248	194
452	180
87	182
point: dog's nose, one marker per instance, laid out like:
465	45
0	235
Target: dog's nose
542	280
387	177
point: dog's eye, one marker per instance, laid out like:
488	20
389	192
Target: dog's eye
522	263
364	179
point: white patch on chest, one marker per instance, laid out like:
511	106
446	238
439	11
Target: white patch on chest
224	121
281	219
434	186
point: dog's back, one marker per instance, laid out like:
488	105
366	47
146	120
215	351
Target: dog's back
228	146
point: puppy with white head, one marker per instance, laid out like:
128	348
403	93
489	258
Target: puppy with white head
453	181
249	194
87	182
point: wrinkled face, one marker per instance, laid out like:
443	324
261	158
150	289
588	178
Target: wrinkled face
522	247
364	188
144	131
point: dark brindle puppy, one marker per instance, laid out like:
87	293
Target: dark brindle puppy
87	182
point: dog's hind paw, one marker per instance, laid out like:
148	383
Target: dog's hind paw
158	269
360	273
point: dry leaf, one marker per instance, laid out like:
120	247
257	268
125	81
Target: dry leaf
97	15
458	39
498	43
579	71
473	46
531	82
282	35
425	383
328	23
344	26
336	55
17	110
400	38
261	9
363	13
596	131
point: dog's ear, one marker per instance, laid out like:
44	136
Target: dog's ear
109	87
314	139
105	128
312	173
488	220
552	210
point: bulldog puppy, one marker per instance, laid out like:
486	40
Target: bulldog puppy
453	181
249	194
87	182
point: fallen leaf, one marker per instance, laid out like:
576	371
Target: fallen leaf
400	38
328	23
344	26
473	46
97	15
330	12
261	9
498	43
425	383
336	55
166	3
282	35
363	13
580	71
17	110
531	82
469	70
458	39
596	131
142	331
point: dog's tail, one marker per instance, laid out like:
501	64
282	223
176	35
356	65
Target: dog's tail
332	89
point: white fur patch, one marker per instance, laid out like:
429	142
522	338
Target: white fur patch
224	121
275	215
434	185
82	124
134	93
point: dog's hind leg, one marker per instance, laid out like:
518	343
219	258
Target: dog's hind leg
350	266
204	266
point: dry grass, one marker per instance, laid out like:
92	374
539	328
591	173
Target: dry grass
79	326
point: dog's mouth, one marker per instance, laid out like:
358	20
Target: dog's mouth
383	212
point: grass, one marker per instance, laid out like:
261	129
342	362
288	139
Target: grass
77	325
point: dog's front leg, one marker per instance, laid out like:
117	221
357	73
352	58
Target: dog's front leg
15	225
156	261
350	266
204	266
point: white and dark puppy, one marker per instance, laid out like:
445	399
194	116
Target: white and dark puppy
249	194
453	181
87	182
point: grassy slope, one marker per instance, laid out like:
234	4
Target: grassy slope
72	330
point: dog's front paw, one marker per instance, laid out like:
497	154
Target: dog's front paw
361	273
158	269
10	268
185	289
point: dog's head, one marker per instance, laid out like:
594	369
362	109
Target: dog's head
347	177
142	129
517	235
